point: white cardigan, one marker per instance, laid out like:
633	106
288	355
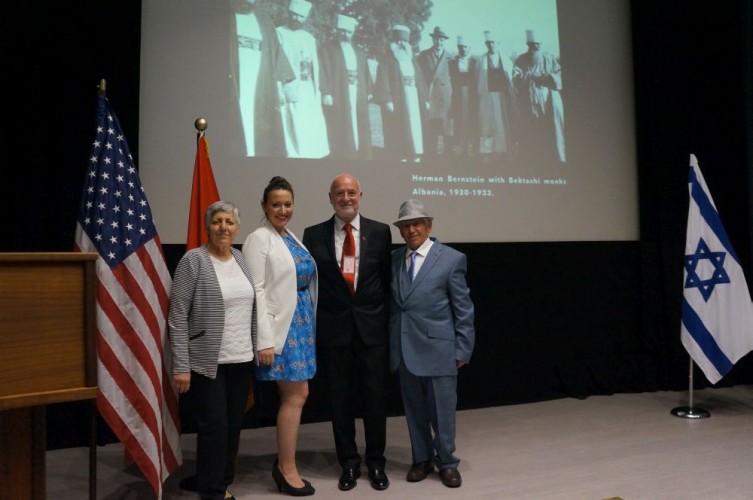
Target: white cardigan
273	272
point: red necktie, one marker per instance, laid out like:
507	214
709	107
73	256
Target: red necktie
349	250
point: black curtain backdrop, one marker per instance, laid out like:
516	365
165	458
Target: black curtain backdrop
554	319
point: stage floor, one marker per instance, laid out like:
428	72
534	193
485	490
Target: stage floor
627	446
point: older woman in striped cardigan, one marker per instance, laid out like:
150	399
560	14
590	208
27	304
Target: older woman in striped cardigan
212	324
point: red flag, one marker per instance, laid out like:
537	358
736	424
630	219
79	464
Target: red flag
203	193
132	293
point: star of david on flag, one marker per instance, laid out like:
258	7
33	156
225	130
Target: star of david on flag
703	259
717	313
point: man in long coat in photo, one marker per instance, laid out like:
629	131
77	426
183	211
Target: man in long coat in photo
302	115
401	91
538	80
496	103
464	106
346	89
258	64
434	63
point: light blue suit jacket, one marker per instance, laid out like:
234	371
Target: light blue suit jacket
431	319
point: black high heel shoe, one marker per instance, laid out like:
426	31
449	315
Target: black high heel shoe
284	487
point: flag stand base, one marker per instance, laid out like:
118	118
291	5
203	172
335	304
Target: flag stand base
690	412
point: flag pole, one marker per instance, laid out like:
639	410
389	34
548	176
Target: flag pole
690	411
93	408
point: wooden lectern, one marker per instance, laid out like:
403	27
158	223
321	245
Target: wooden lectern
47	355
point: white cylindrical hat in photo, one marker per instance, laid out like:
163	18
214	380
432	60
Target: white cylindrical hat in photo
300	7
400	27
346	23
531	37
488	36
461	41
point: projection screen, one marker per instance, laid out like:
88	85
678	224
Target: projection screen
512	121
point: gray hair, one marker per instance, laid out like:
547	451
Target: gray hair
220	206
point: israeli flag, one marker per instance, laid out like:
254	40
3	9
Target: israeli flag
717	313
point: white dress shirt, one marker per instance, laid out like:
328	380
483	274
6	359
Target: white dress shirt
421	253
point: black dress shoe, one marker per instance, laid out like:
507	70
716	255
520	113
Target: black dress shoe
450	477
188	483
419	471
378	479
348	479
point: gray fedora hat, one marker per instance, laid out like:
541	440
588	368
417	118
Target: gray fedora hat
412	209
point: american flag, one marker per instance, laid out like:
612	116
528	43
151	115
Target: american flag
132	294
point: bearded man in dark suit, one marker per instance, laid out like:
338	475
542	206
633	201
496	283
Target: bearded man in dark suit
351	327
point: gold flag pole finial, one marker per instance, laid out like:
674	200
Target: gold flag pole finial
102	86
200	124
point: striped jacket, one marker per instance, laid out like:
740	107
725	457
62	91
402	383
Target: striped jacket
197	313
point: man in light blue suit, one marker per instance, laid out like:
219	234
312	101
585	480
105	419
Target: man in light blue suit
431	336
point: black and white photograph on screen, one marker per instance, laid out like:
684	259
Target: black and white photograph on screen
403	80
460	103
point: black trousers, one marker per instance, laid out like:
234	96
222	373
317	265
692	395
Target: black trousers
356	379
220	405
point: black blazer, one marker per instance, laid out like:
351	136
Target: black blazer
339	315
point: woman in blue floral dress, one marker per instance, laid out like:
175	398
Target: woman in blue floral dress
286	288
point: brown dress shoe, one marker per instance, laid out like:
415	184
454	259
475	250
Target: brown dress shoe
419	471
451	477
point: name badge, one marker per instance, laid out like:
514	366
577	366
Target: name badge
349	264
